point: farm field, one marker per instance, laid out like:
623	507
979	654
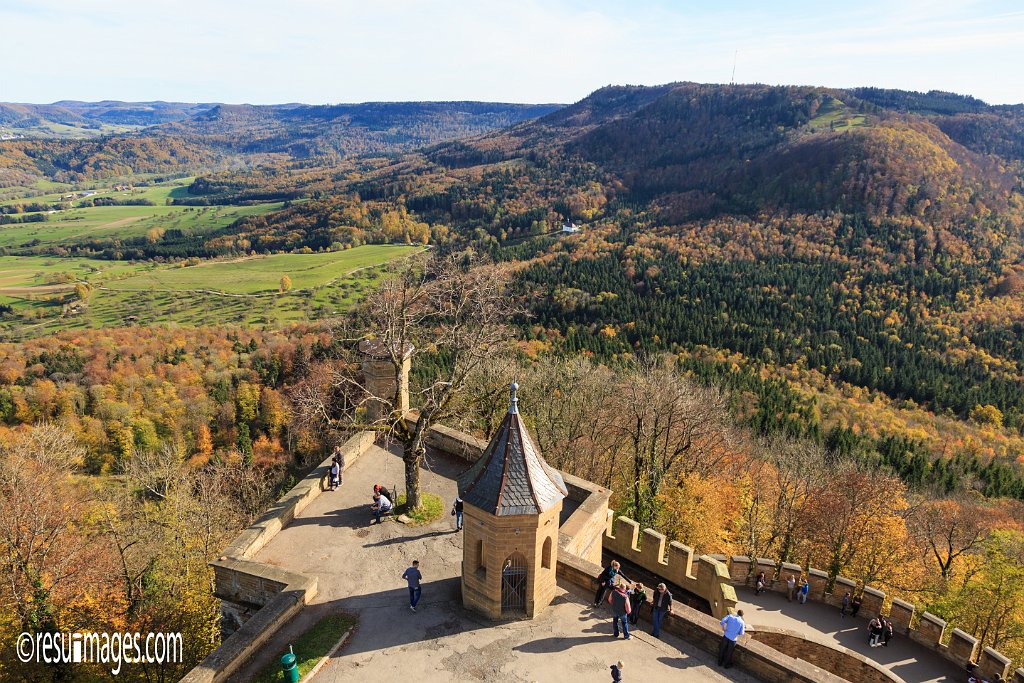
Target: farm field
76	225
37	288
120	222
262	274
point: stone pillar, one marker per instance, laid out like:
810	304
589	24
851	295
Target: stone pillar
841	587
768	567
379	379
900	614
739	570
929	630
962	647
992	663
819	581
871	602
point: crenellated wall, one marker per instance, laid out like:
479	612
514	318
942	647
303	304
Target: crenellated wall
704	576
930	630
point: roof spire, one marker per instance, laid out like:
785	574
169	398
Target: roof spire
514	405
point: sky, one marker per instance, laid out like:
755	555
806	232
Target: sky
333	51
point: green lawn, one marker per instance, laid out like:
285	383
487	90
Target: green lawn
835	115
310	647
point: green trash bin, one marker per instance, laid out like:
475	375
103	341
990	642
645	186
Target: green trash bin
289	668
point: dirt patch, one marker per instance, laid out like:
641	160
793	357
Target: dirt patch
483	664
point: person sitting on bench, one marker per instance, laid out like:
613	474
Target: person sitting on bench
381	506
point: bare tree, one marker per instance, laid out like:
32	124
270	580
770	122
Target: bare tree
666	425
446	309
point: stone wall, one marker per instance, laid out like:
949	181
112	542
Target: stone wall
704	576
272	595
839	660
755	658
930	631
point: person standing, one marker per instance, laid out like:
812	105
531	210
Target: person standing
845	606
805	590
620	608
617	671
732	628
457	511
855	605
661	605
605	580
413	577
791	585
886	631
875	632
759	584
339	457
637	598
334	475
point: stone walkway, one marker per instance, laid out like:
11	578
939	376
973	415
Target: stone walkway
903	657
359	568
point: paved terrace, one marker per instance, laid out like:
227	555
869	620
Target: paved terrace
910	661
359	568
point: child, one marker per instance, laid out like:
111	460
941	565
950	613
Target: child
637	597
617	671
335	471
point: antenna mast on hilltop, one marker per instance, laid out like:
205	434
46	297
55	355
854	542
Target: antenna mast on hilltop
734	56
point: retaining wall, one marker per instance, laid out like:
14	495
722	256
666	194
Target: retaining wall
273	595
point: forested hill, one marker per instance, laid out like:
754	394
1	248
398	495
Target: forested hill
305	131
850	261
76	141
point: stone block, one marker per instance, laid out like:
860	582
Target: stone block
652	550
962	648
680	563
929	630
819	582
900	614
992	663
740	570
625	539
840	587
871	602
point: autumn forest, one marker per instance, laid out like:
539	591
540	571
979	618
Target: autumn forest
791	325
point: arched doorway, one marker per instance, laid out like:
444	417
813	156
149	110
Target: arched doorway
513	584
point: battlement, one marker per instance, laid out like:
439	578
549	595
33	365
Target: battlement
927	630
706	577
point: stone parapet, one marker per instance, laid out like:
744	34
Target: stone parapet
929	630
992	663
962	648
871	602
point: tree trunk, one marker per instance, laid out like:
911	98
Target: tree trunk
412	455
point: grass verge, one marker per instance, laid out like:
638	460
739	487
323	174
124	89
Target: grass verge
310	647
431	511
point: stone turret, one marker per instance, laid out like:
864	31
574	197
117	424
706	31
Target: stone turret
512	504
380	378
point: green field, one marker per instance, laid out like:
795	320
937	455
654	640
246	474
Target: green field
262	274
836	116
240	291
75	225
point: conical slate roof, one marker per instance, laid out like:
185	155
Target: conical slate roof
511	477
